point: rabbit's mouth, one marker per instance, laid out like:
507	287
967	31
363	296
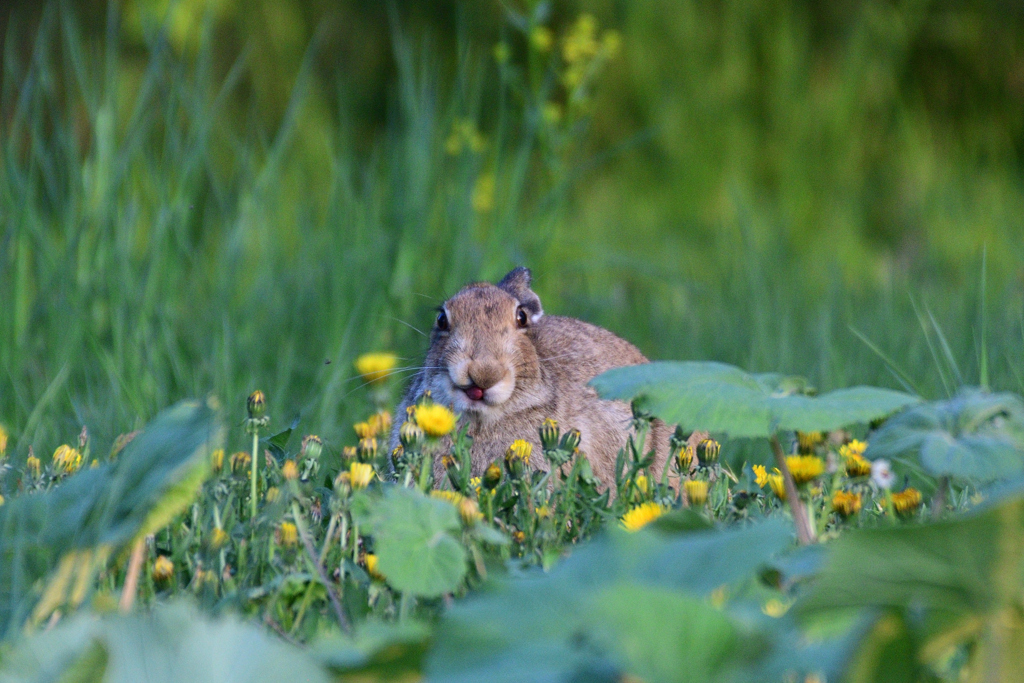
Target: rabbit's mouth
473	398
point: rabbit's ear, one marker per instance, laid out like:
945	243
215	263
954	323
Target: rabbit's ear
517	283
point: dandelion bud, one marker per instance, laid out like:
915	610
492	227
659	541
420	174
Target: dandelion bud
492	476
696	492
447	461
33	465
777	484
287	534
163	568
367	449
3	441
685	458
240	462
571	441
397	456
469	511
380	422
519	537
272	494
349	453
256	405
312	446
641	483
549	434
290	470
707	452
121	441
217	459
410	434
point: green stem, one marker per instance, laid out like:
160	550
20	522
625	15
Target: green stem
804	532
252	491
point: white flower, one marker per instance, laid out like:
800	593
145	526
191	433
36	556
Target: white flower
882	474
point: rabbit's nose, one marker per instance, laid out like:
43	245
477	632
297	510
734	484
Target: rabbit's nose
485	376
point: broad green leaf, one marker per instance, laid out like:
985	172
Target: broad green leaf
173	644
960	580
974	435
413	539
97	511
723	398
569	623
660	634
382	651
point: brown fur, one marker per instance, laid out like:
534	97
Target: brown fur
530	374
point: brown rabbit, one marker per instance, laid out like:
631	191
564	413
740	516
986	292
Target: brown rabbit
505	366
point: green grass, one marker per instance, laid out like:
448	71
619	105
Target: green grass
160	241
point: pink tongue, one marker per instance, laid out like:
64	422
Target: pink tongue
475	393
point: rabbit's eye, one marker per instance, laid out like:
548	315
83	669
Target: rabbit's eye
521	319
442	321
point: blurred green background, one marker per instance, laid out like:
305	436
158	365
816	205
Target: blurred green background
217	196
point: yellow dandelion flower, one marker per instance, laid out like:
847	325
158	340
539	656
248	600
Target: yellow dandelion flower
760	475
854	448
778	484
217	459
163	568
520	449
519	537
453	498
807	441
67	459
641	516
218	537
541	38
375	367
364	430
360	475
272	494
846	503
906	502
543	511
33	465
696	492
289	470
287	534
856	466
371	567
482	198
435	420
805	468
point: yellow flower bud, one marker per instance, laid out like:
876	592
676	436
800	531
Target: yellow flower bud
163	568
290	470
696	492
